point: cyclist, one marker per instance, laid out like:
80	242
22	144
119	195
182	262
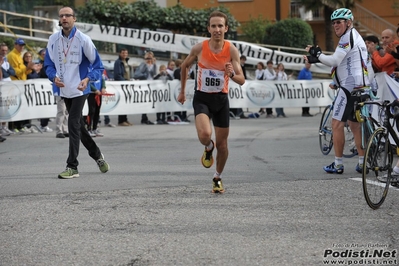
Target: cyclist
349	72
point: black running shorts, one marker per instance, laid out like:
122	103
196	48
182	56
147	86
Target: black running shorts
215	105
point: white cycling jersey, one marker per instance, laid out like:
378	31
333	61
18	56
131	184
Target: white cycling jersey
349	61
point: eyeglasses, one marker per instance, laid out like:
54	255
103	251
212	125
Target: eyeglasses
28	56
148	58
66	15
337	22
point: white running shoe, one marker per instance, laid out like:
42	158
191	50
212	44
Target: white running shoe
92	134
46	129
98	133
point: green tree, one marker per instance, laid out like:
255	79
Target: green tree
291	32
328	8
147	14
255	29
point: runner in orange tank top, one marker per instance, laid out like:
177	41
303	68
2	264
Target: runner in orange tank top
218	62
211	67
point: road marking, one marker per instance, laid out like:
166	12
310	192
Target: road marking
374	183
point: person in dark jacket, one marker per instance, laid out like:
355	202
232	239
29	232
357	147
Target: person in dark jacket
122	72
146	71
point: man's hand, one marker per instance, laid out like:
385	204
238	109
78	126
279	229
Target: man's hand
315	51
58	82
228	69
312	59
83	84
181	98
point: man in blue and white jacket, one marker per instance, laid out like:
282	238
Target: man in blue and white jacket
71	62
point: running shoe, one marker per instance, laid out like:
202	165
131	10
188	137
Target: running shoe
217	185
46	129
359	168
333	169
92	134
394	177
102	164
207	158
4	132
68	173
98	133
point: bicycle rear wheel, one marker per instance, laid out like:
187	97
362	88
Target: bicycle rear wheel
350	149
377	168
325	131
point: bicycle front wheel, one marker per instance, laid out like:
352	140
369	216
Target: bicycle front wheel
377	168
325	131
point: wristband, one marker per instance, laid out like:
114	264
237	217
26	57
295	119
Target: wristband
232	75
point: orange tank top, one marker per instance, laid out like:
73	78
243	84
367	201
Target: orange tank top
211	77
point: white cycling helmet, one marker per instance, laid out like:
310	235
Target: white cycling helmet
342	13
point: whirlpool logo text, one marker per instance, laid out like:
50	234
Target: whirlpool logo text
260	95
10	100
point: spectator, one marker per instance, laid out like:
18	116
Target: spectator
281	75
42	74
270	74
107	120
61	119
6	72
170	69
383	59
176	75
34	74
305	74
71	62
3	130
94	105
260	75
146	71
122	72
21	71
239	112
164	76
372	43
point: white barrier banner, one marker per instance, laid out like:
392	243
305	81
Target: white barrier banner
168	41
31	99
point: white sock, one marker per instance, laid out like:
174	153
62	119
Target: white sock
361	160
396	169
217	175
210	146
338	161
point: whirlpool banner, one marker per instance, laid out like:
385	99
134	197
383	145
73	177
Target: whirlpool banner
31	99
180	43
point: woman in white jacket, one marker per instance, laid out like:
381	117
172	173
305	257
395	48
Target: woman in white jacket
260	75
281	75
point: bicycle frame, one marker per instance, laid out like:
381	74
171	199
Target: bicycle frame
362	114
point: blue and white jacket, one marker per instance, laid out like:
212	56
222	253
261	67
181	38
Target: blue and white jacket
72	59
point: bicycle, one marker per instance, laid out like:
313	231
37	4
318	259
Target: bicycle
326	135
378	158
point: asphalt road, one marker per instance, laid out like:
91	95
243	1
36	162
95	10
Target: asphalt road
154	206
